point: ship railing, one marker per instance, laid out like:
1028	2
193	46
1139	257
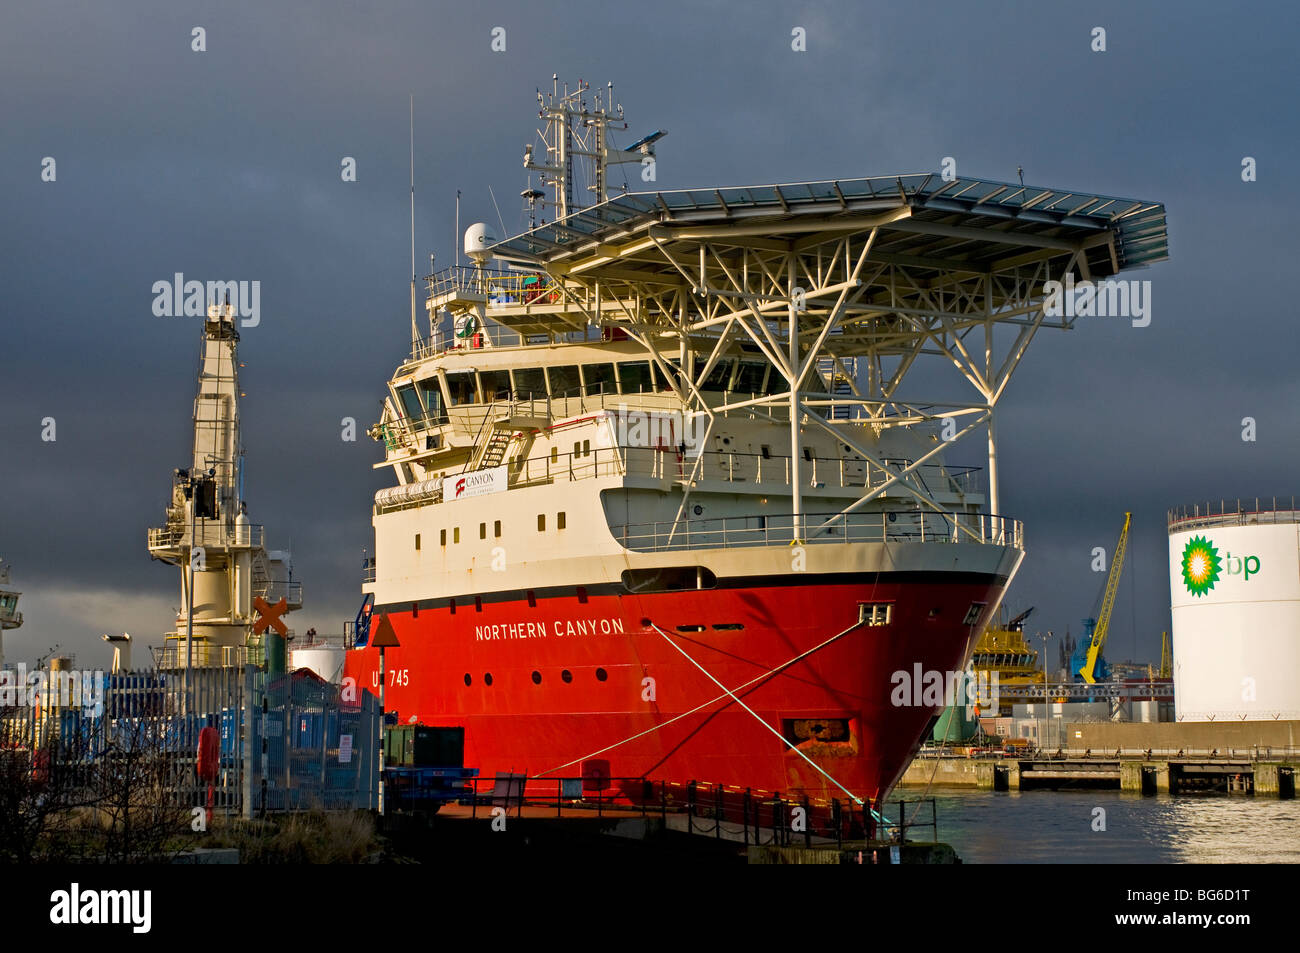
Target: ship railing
1239	512
727	466
470	280
724	812
273	590
212	533
730	467
888	526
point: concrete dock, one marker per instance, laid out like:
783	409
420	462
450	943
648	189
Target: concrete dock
1165	758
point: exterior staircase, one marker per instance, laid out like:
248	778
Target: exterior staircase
495	451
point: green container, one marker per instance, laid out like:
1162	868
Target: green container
396	743
424	746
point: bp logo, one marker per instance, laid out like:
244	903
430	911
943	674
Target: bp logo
1201	565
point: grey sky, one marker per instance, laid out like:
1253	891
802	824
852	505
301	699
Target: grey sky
225	164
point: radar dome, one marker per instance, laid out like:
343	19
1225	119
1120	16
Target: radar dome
478	238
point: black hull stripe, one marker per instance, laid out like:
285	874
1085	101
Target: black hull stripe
919	578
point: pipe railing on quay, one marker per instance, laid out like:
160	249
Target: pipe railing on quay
752	816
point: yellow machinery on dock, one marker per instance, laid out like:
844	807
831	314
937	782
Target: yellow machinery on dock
1003	650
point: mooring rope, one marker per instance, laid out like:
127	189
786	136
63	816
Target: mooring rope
758	678
757	717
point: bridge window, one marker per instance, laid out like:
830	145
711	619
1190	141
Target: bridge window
431	392
541	522
494	385
455	535
529	382
410	402
482	530
496	528
599	378
417	542
634	377
460	389
559	521
442	537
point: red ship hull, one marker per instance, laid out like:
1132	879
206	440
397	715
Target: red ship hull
585	677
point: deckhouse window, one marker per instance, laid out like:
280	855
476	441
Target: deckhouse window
634	376
674	369
775	382
719	377
564	380
460	389
410	402
599	378
750	378
530	382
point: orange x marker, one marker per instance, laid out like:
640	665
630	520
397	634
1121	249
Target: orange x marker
270	615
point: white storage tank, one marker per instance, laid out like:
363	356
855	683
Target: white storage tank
325	660
1234	583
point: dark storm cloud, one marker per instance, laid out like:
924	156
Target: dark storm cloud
225	164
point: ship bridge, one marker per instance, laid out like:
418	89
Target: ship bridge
857	280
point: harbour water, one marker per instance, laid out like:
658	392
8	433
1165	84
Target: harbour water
1057	827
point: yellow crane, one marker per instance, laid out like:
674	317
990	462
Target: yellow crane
1088	672
1166	657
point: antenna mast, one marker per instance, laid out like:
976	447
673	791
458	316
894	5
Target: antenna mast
574	130
415	334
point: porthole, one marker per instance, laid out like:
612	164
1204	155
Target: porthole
468	680
566	675
487	678
697	510
537	678
601	675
